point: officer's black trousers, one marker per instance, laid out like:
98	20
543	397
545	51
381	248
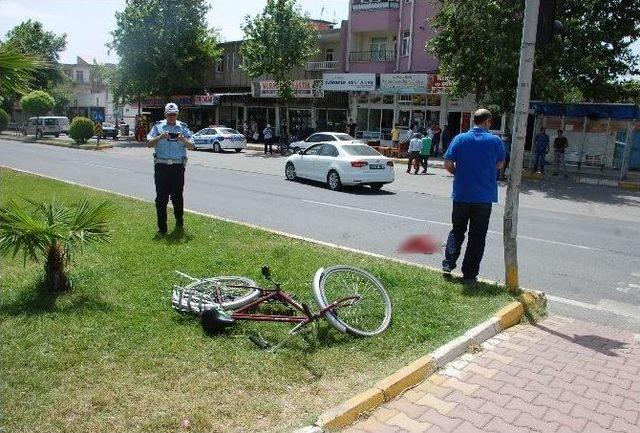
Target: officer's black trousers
169	183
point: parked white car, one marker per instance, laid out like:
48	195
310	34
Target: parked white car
48	125
319	137
341	163
219	138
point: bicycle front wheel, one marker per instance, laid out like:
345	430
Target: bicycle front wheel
363	306
229	292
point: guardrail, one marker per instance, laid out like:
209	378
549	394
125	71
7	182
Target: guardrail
322	66
359	5
372	56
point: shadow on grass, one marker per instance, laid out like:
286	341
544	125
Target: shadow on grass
36	300
474	289
177	236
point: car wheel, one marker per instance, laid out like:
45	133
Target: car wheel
216	147
238	150
376	186
57	135
333	180
290	171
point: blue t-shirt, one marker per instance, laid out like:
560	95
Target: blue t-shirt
476	154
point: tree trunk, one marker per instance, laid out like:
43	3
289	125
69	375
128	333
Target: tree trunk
56	279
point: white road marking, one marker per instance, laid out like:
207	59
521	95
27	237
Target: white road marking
606	305
393	215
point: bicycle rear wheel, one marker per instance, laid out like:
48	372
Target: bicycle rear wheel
367	316
230	292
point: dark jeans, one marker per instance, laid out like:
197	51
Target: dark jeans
268	142
477	216
424	159
540	159
413	155
169	183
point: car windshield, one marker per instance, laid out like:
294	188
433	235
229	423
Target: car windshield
344	137
228	131
360	150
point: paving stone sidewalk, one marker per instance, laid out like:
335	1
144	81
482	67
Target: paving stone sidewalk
561	375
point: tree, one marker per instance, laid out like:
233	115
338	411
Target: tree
172	58
17	71
53	230
81	129
276	42
37	103
31	39
593	50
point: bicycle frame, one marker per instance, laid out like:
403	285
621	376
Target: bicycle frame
278	295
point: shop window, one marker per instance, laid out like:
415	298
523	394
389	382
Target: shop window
404	99
387	123
434	100
363	97
405	44
375	115
403	117
337	120
362	120
321	120
387	99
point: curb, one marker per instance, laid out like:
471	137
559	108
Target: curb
56	143
395	384
627	185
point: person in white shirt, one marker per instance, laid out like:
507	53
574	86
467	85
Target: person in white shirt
415	146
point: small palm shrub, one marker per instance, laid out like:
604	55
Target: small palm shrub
81	129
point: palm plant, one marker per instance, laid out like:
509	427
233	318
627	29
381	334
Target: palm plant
53	230
16	70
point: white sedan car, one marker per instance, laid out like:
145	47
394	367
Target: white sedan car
341	163
219	138
319	137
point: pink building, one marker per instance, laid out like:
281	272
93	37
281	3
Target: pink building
389	36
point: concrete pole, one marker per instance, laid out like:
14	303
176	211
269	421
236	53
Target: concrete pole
525	72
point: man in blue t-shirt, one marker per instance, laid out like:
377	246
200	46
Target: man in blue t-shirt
472	158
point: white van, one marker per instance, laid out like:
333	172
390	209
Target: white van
48	125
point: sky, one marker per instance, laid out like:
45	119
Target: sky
88	23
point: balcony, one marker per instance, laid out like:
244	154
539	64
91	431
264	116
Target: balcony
371	5
328	65
372	56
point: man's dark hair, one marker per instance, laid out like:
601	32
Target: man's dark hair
481	115
559	131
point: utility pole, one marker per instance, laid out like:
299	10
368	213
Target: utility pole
525	72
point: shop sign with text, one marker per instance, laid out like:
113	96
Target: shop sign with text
301	89
206	100
349	82
403	83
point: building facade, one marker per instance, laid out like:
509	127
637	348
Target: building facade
91	98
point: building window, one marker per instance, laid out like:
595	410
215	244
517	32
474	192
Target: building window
79	76
405	44
220	65
233	61
378	49
328	55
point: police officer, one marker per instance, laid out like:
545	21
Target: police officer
170	139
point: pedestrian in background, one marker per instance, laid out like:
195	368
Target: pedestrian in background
395	135
560	145
472	158
425	152
436	139
170	139
445	138
267	134
351	128
541	149
415	146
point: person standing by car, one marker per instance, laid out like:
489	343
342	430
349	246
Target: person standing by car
472	158
267	133
170	139
415	146
425	152
560	145
351	128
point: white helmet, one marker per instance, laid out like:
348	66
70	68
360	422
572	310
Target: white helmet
171	108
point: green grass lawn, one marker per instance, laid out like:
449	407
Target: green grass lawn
113	356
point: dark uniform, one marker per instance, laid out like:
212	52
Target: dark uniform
170	158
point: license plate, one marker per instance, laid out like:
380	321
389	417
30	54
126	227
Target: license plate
376	166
